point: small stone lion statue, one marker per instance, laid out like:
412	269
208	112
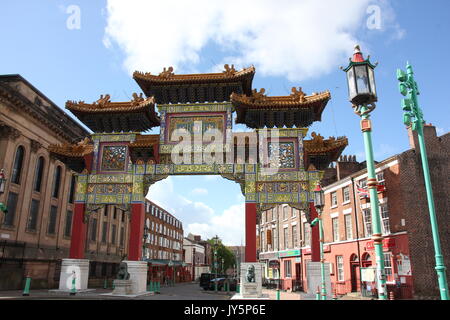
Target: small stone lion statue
123	274
250	274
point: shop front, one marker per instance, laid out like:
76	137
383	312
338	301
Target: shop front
291	270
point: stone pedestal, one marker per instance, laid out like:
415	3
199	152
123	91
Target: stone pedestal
250	286
122	287
138	276
81	269
314	278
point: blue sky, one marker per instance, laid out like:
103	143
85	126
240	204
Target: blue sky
291	43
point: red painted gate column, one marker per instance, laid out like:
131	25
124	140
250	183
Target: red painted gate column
78	238
315	236
136	231
250	232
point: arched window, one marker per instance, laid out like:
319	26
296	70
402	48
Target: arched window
38	175
56	182
18	162
366	260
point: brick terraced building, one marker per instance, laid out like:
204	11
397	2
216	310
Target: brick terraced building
288	243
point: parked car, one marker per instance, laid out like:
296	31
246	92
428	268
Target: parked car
205	279
221	284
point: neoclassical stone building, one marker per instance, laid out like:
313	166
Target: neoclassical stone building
35	233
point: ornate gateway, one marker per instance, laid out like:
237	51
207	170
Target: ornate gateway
273	164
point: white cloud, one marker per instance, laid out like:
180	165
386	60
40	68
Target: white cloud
229	226
199	191
199	218
297	39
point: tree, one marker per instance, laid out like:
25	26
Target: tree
224	253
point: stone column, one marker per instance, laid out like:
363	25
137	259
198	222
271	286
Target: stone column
74	267
136	231
250	232
78	232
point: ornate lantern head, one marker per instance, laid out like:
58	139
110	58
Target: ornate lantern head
361	79
319	197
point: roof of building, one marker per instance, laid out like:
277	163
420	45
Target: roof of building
106	116
49	114
168	87
259	110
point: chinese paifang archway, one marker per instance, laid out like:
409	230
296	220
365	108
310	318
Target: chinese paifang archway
117	164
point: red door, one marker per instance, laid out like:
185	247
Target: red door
354	269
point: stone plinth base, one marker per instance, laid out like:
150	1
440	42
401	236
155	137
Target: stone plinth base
122	287
70	268
251	286
138	276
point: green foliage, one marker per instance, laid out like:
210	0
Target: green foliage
223	252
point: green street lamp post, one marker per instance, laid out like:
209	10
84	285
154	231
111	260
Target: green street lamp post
319	203
362	94
413	117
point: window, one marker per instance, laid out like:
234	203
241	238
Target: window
340	268
294	212
18	162
263	217
123	216
52	220
56	182
287	269
104	231
385	218
262	241
294	236
348	226
367	222
388	266
333	199
286	238
346	194
72	189
115	213
12	206
380	177
94	229
363	183
285	209
32	219
68	227
37	183
307	232
335	225
113	235
275	239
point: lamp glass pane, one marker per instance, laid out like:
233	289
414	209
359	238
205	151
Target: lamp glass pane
351	83
372	81
362	79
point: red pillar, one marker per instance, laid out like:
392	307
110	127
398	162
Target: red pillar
136	231
250	232
78	238
315	236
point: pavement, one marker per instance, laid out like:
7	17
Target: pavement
181	291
